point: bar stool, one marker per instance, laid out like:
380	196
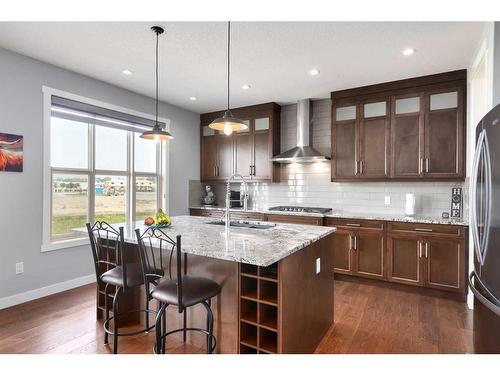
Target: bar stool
182	291
107	245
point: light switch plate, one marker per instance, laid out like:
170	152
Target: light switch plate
387	200
318	265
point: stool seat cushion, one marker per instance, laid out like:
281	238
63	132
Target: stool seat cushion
115	276
194	290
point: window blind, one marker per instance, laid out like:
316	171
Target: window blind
78	111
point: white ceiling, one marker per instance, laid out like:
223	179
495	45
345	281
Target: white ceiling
273	57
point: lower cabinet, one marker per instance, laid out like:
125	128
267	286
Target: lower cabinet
432	260
359	248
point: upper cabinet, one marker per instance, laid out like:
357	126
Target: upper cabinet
409	129
247	152
360	140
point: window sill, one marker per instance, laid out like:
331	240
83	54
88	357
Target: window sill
64	244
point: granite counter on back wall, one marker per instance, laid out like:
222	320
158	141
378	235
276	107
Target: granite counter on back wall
345	214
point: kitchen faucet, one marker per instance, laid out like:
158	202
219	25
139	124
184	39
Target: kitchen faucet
228	197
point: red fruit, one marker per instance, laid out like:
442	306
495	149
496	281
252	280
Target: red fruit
149	221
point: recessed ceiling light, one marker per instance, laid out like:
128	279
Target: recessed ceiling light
408	51
127	72
245	87
193	98
314	72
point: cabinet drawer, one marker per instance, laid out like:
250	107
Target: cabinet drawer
205	213
294	219
354	224
247	216
427	229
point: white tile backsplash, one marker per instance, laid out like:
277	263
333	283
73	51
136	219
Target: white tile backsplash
310	185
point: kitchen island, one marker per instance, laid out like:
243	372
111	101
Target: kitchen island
277	284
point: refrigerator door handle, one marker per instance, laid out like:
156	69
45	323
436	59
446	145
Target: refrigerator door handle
475	170
494	304
487	217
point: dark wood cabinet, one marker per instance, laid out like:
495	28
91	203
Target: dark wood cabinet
432	256
248	152
359	247
420	135
295	219
403	260
209	150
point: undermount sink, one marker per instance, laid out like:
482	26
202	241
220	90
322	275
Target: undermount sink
245	224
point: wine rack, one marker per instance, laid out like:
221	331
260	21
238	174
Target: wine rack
259	309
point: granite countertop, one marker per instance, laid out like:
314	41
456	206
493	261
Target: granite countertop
261	247
344	214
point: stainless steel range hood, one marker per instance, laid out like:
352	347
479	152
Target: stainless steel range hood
303	152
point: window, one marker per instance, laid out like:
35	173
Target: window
100	169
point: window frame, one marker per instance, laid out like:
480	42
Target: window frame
161	173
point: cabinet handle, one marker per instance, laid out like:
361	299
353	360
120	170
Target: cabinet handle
361	167
423	230
420	165
356	168
215	171
427	165
353	225
250	170
253	170
355	242
426	249
420	249
350	243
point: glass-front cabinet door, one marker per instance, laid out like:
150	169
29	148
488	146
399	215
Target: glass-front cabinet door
444	133
344	141
407	124
243	150
209	152
261	166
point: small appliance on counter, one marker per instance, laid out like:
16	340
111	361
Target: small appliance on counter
307	210
209	198
410	204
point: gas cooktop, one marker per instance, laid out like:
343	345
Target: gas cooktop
308	210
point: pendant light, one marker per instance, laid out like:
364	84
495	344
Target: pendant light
157	133
228	123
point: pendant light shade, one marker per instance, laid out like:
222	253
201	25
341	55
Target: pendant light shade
157	133
228	123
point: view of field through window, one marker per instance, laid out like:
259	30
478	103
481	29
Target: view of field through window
70	200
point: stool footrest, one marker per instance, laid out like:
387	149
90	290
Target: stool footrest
109	332
201	330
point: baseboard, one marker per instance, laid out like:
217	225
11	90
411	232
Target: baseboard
31	295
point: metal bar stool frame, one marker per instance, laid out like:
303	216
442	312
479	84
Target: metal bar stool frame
114	240
155	238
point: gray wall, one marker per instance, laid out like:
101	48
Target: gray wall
496	65
21	112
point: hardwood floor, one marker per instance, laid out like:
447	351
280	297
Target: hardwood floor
369	318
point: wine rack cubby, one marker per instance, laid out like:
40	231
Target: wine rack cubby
259	309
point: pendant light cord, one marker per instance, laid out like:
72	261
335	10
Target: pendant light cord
156	117
228	60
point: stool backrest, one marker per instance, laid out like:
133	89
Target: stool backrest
107	244
156	248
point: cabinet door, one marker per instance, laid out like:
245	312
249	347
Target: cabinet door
243	150
225	165
342	249
444	134
407	136
208	154
369	254
403	260
345	142
374	139
444	266
262	152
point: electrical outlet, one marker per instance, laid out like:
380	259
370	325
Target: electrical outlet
387	200
19	268
318	265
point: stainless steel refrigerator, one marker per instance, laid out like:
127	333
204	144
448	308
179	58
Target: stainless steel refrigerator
484	280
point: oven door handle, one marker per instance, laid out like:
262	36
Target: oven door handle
494	304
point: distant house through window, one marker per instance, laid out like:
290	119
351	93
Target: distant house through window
100	169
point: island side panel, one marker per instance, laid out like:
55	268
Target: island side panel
306	298
224	306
